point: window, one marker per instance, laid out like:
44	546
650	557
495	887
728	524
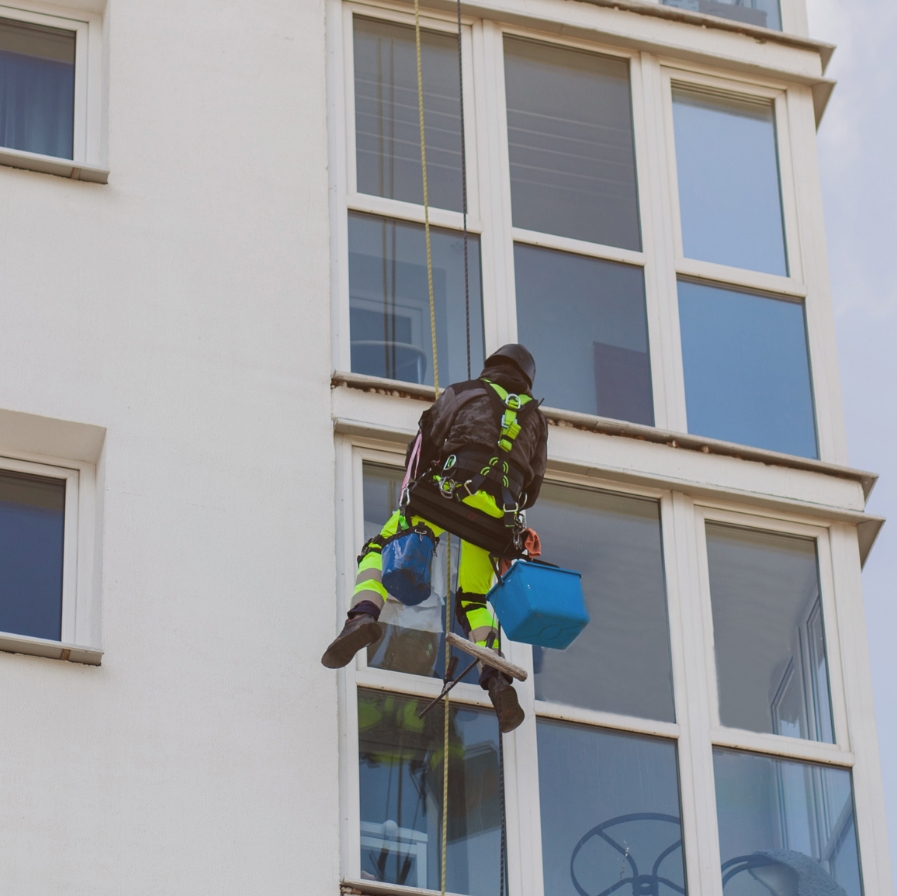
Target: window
37	86
32	529
784	827
620	664
570	144
764	13
729	194
389	304
768	634
51	93
610	812
747	370
47	602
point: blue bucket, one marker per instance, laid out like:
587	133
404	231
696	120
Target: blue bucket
406	565
540	604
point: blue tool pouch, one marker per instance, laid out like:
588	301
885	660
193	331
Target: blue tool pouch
407	558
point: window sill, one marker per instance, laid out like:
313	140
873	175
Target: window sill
32	161
54	650
378	888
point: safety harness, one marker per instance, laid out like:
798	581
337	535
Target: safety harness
438	493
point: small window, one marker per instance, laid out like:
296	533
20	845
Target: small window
571	145
37	88
610	812
621	661
32	530
585	321
767	631
729	195
387	119
764	13
400	768
747	369
389	301
785	827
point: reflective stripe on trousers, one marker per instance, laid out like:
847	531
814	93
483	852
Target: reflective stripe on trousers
475	573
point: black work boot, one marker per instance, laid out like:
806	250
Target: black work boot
507	706
359	631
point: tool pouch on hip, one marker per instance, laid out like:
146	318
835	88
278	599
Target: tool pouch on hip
407	558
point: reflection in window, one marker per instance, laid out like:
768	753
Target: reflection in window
764	13
785	828
747	370
767	632
400	761
37	88
389	304
610	812
621	662
584	320
570	144
412	641
32	517
729	197
387	122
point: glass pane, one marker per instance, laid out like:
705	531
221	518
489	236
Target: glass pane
412	641
400	774
584	320
387	119
767	633
729	197
747	370
570	144
610	812
37	88
764	13
621	662
785	828
390	306
32	512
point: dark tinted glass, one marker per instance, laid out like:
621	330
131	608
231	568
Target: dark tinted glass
621	662
412	639
37	88
764	13
768	634
747	370
785	828
32	512
400	772
387	121
610	812
729	195
585	321
570	144
389	304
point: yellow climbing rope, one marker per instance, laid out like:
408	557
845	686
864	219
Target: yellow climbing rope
423	165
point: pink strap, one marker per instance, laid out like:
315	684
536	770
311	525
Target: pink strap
411	469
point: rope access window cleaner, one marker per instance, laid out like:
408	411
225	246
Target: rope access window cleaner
474	467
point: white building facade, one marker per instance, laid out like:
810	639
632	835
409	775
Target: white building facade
217	344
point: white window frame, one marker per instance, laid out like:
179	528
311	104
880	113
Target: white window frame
88	159
79	637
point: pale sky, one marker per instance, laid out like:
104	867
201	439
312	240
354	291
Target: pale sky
859	184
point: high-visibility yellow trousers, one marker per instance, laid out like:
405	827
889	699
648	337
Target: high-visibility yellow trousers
475	574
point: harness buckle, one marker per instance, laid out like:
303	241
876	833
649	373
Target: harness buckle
446	487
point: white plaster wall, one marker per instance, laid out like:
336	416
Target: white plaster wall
185	307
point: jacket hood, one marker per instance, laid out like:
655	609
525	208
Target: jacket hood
508	377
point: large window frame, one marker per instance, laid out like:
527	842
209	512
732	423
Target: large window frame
697	729
79	636
88	144
652	77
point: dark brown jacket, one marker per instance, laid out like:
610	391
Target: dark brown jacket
464	417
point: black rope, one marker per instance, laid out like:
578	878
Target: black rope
464	194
